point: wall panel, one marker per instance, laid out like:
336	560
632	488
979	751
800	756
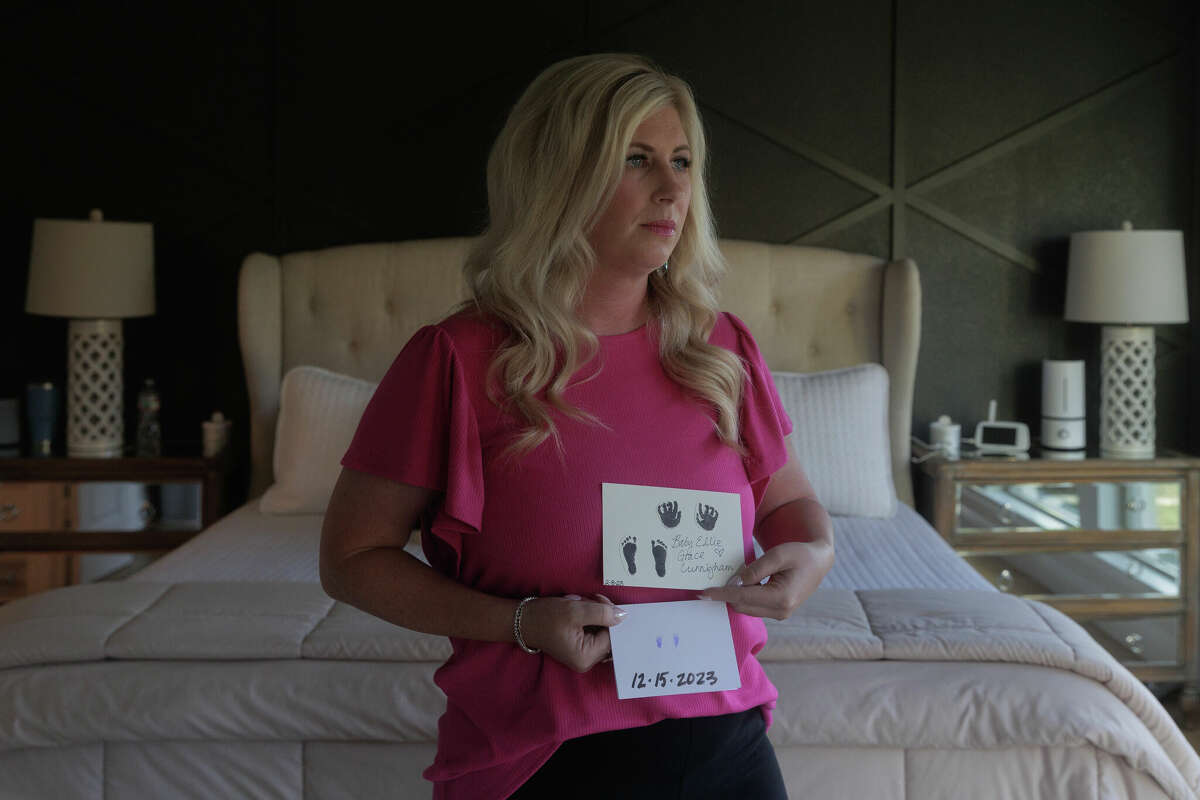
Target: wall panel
973	137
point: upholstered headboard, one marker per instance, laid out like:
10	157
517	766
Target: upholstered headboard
350	310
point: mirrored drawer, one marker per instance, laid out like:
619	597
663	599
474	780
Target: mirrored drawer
1100	505
31	572
1141	641
28	506
13	579
1149	572
132	506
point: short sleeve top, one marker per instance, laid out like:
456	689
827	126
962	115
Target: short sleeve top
531	525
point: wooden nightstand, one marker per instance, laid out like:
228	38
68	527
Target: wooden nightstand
54	509
1115	544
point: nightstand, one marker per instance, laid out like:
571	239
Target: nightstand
53	510
1114	544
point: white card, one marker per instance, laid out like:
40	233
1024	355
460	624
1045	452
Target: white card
666	538
685	647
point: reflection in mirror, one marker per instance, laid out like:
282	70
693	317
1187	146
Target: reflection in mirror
133	506
1144	640
1146	572
1109	506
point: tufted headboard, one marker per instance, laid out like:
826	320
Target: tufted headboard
350	309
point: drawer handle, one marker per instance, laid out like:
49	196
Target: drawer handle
148	512
1005	580
1135	505
10	576
9	511
1134	642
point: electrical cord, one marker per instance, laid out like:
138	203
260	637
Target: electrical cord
930	450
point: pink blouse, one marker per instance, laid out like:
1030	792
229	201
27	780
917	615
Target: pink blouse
532	526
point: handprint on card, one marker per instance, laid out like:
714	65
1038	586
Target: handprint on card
669	514
706	517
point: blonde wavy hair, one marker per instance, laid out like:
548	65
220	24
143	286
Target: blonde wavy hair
552	170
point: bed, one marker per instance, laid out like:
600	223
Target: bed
223	670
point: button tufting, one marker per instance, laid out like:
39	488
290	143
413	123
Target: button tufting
312	304
851	308
813	350
352	346
389	307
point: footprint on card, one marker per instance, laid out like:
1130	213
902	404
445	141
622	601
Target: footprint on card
659	549
629	550
658	641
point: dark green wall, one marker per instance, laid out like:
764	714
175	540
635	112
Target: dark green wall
973	137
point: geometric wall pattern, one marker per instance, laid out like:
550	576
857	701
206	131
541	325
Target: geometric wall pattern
973	137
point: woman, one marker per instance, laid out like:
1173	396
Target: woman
591	352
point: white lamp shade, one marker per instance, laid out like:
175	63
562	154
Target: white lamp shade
91	269
1127	277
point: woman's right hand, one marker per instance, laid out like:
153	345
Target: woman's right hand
571	630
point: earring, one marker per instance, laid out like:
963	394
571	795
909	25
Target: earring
664	266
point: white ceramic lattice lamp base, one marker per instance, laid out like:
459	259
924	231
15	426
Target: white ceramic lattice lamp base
1127	391
95	413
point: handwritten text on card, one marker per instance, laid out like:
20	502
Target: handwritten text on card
683	647
668	538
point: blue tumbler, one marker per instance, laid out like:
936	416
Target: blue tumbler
41	410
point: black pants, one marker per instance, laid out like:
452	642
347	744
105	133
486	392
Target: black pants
676	759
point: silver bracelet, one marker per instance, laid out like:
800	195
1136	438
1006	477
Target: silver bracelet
517	626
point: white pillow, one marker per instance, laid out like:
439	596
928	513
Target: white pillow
319	411
841	436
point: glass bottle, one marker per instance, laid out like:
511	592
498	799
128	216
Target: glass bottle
149	432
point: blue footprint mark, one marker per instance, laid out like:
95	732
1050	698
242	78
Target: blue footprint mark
629	550
658	641
677	640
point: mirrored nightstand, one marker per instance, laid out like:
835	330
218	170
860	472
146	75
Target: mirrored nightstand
71	520
1115	544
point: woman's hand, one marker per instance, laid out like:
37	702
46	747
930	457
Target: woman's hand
571	630
795	570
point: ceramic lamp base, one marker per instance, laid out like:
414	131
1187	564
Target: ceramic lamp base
1127	391
95	364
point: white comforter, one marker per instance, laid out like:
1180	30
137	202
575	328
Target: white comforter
905	676
254	661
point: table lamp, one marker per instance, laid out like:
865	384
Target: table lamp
1130	281
94	272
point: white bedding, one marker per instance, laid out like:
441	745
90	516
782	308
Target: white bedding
882	693
903	552
938	681
246	545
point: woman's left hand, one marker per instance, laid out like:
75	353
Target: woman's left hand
795	570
